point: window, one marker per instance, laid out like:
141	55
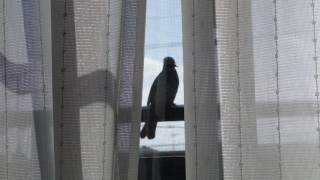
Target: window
163	156
163	38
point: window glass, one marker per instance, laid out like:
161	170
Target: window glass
163	38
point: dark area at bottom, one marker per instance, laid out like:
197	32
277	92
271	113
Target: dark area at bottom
162	168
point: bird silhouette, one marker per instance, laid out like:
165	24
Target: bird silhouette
161	97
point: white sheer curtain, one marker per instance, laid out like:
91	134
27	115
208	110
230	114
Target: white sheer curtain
26	126
86	82
201	90
98	59
268	89
251	100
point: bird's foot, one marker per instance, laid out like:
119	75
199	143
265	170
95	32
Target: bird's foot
143	133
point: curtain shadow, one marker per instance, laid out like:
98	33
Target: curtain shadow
73	92
22	79
19	74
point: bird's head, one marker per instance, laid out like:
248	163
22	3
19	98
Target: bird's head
169	63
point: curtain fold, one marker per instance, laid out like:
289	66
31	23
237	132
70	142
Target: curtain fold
98	59
26	126
270	52
70	108
237	89
72	111
267	60
202	126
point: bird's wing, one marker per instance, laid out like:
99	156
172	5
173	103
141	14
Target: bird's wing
153	90
173	89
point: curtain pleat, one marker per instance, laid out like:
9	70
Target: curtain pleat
273	77
130	90
251	89
88	80
237	90
25	91
3	121
201	91
267	60
98	57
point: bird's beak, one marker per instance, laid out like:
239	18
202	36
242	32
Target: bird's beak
175	65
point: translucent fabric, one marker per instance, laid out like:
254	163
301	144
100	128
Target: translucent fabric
70	107
98	78
268	89
270	55
201	91
26	131
71	84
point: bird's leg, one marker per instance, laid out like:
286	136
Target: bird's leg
143	132
151	128
146	118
